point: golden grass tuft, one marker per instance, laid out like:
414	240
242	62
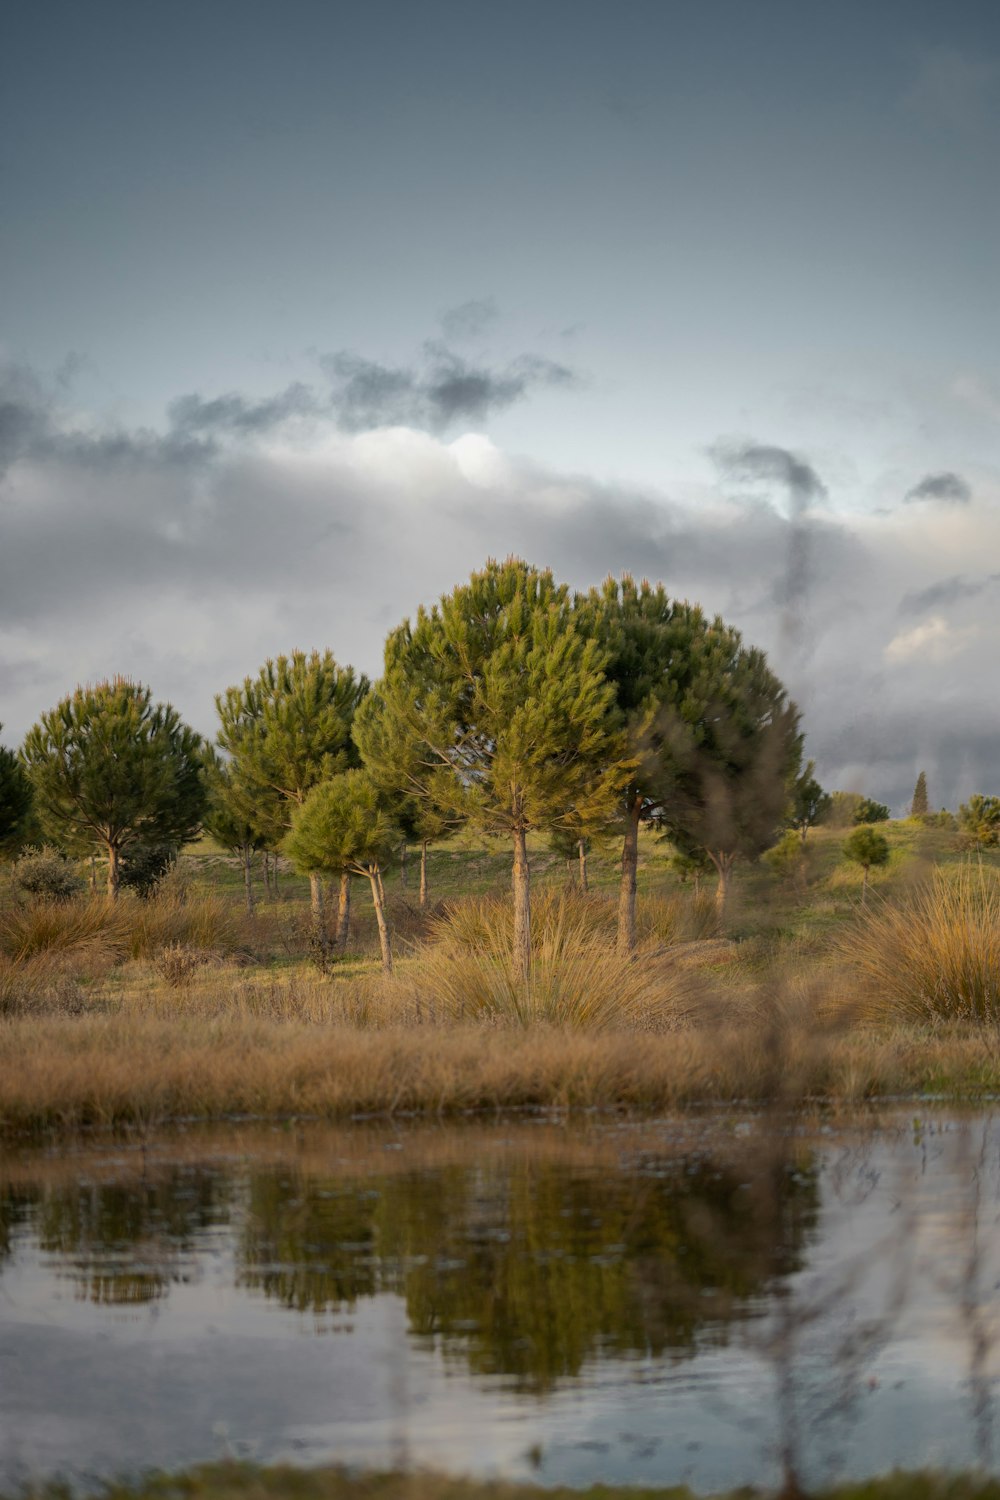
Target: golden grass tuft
934	956
468	970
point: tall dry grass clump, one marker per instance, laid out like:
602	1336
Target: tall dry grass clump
468	970
934	956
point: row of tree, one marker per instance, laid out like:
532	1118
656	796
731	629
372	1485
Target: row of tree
512	706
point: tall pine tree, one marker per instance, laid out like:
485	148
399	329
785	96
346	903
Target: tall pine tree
919	807
494	707
288	729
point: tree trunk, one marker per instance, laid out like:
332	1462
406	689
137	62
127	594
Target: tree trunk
114	873
404	872
724	864
582	848
93	875
267	874
522	905
318	912
805	830
344	911
248	877
378	897
630	866
423	873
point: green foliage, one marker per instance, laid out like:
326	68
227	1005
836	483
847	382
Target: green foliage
786	857
47	872
869	811
979	821
109	767
15	802
919	805
287	730
343	824
228	815
865	847
143	866
665	662
732	782
494	708
809	804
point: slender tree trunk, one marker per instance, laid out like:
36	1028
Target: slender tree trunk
378	898
582	849
248	877
522	905
724	864
93	875
344	911
423	873
318	912
805	830
404	871
114	872
630	867
267	874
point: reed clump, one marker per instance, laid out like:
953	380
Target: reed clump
468	971
934	956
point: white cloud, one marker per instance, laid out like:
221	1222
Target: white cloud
934	640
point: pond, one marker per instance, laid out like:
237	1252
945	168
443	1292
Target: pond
689	1299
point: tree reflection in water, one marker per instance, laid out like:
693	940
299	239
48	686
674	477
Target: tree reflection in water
527	1269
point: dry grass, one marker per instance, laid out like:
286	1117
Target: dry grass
144	1070
936	955
468	971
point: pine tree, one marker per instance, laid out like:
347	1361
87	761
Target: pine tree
673	672
865	847
919	805
15	802
494	707
288	729
343	827
809	804
110	768
227	818
732	784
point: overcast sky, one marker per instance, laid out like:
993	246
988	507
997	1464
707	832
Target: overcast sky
307	308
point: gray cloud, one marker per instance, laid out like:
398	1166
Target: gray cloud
469	320
950	488
769	464
190	415
445	390
185	560
765	463
946	591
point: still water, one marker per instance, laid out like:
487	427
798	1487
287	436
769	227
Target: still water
695	1299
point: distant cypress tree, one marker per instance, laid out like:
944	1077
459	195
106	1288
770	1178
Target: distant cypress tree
918	807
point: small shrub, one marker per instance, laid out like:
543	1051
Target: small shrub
143	866
178	964
96	926
47	873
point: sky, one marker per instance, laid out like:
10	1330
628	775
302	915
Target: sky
306	309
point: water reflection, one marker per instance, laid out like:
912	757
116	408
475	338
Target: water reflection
723	1301
528	1268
